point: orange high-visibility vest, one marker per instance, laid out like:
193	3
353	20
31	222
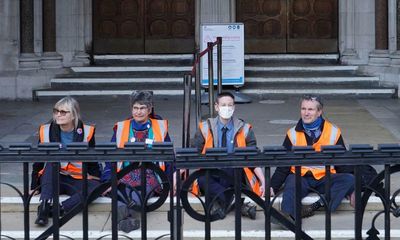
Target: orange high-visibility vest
329	136
160	130
241	142
73	169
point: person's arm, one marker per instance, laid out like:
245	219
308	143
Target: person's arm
251	138
198	140
260	175
281	173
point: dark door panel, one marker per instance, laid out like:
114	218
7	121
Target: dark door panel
289	26
143	26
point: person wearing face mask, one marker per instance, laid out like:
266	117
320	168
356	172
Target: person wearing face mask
311	130
226	130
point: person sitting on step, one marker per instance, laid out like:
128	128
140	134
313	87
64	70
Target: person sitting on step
225	130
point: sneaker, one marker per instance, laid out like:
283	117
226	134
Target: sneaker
309	210
122	212
217	210
129	224
249	210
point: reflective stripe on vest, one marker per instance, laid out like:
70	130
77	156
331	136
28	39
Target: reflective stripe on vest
241	136
74	169
160	130
329	136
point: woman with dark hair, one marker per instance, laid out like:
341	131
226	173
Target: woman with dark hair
142	126
65	127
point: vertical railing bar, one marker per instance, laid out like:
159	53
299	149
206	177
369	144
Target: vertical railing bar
143	194
219	64
207	224
210	79
197	82
328	200
387	201
298	202
56	198
114	201
85	214
26	199
267	203
238	203
357	192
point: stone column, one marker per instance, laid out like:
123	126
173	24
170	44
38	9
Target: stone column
211	11
347	31
27	59
395	20
82	9
50	58
380	56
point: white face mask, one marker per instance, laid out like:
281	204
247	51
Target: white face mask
226	112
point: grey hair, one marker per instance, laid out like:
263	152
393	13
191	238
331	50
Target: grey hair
141	97
72	105
315	98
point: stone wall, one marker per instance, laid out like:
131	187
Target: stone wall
9	35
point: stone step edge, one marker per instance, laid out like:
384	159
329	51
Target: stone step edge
189	68
347	91
103	203
89	80
333	56
199	234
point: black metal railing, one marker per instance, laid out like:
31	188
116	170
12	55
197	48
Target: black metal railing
207	165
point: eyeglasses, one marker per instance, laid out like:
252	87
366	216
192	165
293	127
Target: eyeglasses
309	97
61	112
141	109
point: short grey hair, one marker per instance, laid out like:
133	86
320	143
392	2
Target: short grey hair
72	105
141	97
317	99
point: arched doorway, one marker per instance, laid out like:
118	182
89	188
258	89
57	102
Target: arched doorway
289	26
143	26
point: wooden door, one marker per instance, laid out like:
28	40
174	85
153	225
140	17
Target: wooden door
169	26
265	25
289	26
143	26
312	26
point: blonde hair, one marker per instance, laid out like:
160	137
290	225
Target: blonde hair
72	105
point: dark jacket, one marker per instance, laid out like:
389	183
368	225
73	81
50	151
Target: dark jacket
94	168
199	141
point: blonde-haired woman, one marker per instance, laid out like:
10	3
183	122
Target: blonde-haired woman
65	127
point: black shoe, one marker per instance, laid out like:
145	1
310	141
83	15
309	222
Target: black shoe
60	208
129	224
43	213
309	210
217	210
249	210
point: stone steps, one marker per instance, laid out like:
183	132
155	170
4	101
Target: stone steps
265	76
103	204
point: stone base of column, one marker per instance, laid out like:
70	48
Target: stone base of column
81	59
349	56
379	58
395	59
29	61
51	60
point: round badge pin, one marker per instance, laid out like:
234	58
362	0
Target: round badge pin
79	130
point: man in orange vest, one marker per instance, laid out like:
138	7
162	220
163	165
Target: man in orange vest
230	132
311	130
